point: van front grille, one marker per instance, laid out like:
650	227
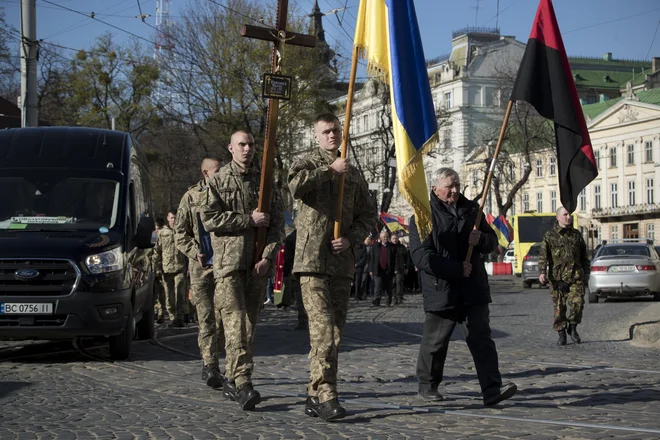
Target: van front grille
46	277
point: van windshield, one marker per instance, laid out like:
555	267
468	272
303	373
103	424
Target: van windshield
58	202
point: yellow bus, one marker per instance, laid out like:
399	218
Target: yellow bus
528	229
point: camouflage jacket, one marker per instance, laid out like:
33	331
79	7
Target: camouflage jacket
233	195
564	255
186	228
315	186
167	258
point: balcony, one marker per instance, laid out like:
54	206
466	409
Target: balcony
646	208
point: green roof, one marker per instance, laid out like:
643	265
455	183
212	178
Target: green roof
600	73
647	96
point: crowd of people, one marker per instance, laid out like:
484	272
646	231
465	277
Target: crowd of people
208	245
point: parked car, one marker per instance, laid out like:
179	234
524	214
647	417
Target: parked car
530	266
509	257
625	270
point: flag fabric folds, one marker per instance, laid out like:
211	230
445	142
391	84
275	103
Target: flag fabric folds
392	223
499	225
387	36
545	81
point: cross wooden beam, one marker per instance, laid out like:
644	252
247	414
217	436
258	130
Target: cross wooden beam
278	36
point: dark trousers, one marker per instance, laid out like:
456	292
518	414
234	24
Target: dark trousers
383	281
360	283
398	285
438	327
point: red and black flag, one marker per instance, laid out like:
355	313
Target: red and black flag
545	81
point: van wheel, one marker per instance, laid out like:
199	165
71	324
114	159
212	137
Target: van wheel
120	345
145	328
593	298
527	284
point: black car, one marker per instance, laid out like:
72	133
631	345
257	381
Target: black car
530	266
76	229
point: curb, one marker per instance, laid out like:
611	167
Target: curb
647	331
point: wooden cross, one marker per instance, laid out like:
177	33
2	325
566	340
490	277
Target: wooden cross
279	37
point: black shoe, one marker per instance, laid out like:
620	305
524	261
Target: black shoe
506	391
160	319
375	303
186	319
229	390
331	410
302	325
212	376
572	332
562	337
177	323
430	394
312	407
248	397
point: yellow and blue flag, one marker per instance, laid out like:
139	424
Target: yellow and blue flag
501	228
387	36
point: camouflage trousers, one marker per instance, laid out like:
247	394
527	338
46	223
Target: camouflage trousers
211	336
160	306
239	297
175	294
326	302
573	300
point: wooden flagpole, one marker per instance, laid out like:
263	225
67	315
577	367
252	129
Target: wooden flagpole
490	176
344	142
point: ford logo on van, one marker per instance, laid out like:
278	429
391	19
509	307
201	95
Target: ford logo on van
26	274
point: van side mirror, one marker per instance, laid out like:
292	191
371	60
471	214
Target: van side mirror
145	230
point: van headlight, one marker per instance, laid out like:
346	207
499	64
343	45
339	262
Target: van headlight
110	261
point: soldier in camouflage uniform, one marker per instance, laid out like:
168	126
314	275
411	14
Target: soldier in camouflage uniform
172	266
211	335
325	266
240	285
564	263
160	305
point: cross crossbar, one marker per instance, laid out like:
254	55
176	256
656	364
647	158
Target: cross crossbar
270	34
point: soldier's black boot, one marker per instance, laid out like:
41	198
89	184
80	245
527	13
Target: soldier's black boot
229	390
212	376
248	397
572	332
331	410
186	319
562	337
312	406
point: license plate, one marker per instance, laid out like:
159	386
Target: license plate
26	308
622	269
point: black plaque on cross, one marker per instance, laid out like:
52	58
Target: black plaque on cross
279	37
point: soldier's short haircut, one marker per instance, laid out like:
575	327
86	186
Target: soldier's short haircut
171	211
213	158
160	222
445	172
326	117
559	210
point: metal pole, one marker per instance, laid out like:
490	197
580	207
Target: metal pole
29	110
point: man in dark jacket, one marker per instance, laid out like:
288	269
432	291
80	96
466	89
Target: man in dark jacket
400	268
361	273
455	290
383	266
291	281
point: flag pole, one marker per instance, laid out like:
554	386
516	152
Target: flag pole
344	141
490	176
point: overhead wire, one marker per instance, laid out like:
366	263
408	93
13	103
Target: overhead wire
79	24
653	40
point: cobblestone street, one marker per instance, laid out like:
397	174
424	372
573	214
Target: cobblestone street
604	388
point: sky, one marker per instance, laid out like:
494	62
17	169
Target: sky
628	29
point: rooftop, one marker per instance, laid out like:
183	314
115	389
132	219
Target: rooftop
647	96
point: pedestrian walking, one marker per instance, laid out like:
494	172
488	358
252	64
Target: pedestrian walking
171	265
563	261
400	268
193	240
455	290
361	277
232	218
383	266
291	280
326	265
160	304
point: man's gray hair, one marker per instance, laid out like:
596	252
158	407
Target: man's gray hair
445	172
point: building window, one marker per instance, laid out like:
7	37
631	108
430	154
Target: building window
448	100
614	232
365	122
539	168
597	157
648	147
650	231
596	196
512	171
357	125
583	199
525	202
613	157
553	201
475	177
649	191
631	193
631	154
539	202
614	200
553	166
446	141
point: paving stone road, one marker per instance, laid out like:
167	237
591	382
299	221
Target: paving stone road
603	388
